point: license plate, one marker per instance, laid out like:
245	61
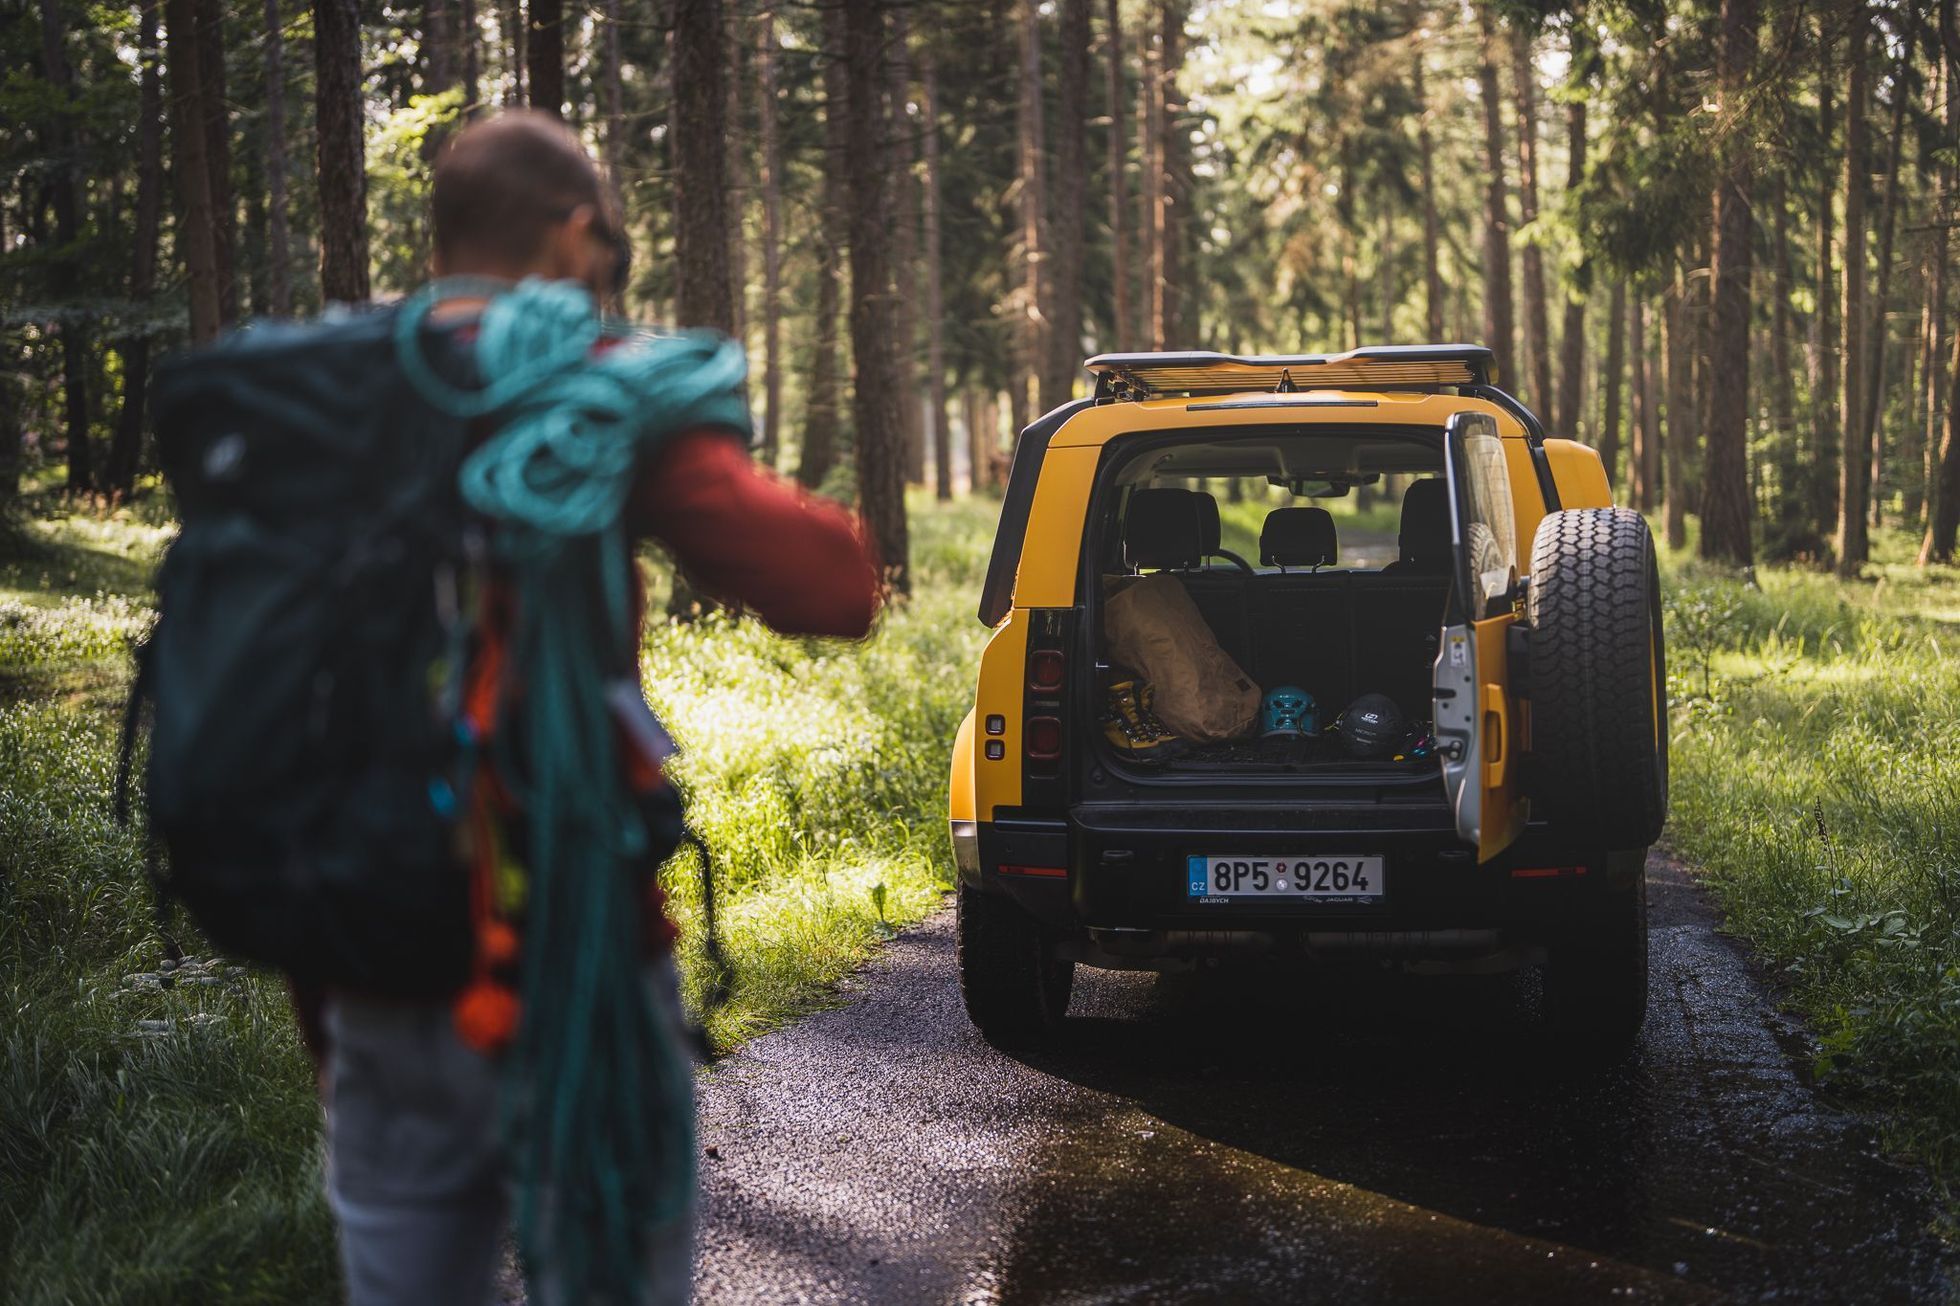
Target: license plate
1342	879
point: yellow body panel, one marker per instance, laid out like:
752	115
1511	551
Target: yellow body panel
1003	668
1505	809
1579	475
1052	546
960	797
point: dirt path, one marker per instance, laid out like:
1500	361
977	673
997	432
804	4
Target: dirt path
1280	1138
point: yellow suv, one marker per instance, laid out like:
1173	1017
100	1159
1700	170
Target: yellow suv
1447	751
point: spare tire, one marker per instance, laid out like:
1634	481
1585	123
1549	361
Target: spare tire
1598	678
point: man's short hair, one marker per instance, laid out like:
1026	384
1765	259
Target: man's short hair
503	182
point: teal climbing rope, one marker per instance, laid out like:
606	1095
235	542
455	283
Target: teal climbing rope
597	1089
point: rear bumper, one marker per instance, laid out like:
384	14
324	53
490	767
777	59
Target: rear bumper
1117	875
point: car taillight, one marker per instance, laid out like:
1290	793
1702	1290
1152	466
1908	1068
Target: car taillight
1044	737
1046	668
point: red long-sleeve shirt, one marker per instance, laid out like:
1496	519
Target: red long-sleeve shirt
745	535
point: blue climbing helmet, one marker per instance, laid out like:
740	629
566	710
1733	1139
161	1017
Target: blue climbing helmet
1287	712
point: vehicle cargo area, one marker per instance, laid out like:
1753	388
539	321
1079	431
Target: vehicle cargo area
1262	632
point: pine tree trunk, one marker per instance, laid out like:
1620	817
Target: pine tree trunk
1033	158
1782	396
278	243
1946	500
1122	325
1068	211
1825	436
510	22
125	448
612	141
1150	190
1432	267
942	439
1572	336
466	44
342	162
1499	329
1609	417
1874	387
1937	498
1173	225
187	166
1537	329
1725	499
545	54
1679	327
767	111
821	415
903	140
976	452
65	190
880	456
701	212
1854	489
217	129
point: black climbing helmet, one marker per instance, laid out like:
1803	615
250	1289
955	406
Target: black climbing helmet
1372	726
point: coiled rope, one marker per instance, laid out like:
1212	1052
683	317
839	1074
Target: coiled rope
598	1116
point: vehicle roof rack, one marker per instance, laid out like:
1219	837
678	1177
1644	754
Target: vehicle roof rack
1378	367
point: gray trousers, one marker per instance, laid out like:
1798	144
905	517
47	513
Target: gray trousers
415	1168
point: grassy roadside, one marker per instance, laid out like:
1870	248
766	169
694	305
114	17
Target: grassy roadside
162	1143
1816	780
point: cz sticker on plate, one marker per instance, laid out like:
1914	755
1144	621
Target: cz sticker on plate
1340	879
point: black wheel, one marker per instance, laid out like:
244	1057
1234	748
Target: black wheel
1596	976
1598	676
1016	991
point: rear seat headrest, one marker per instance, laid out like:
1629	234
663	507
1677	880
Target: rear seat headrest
1298	537
1425	537
1164	528
1210	533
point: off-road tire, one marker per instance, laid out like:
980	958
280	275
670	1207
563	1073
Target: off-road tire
1016	991
1595	977
1598	677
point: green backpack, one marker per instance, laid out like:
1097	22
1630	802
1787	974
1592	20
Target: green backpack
302	764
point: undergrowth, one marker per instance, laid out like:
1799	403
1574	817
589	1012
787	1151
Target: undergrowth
159	1133
1816	783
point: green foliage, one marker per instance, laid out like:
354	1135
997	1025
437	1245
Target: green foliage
1823	803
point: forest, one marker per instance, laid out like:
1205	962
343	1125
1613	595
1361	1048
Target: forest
1710	239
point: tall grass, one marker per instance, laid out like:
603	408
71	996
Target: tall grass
159	1135
1817	783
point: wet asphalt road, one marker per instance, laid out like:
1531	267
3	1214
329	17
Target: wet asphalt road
1278	1139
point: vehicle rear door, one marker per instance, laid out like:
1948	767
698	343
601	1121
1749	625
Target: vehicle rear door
1477	726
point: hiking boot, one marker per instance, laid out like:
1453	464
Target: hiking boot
1133	729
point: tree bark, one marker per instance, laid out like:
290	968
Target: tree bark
1499	330
1782	396
1068	210
1173	226
1121	327
1825	436
510	22
1432	267
1537	329
125	447
217	130
1572	336
612	143
1609	417
1679	327
342	162
278	243
187	165
65	190
1938	546
1854	489
1150	188
903	140
1033	206
772	235
545	53
1874	387
702	294
1725	499
821	415
472	66
1936	312
942	440
880	460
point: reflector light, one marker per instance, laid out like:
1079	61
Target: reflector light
996	724
1045	669
1047	872
1044	737
995	750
